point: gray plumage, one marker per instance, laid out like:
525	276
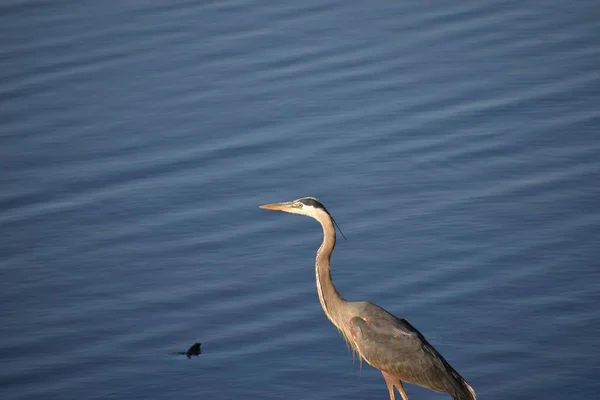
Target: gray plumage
387	343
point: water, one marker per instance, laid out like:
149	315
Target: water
455	143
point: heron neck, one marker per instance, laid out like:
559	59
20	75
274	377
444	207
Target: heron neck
330	299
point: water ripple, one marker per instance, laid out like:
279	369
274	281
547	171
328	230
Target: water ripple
454	143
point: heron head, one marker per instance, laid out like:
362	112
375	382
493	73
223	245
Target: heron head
308	206
305	206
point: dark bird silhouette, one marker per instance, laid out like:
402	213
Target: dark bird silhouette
194	350
385	342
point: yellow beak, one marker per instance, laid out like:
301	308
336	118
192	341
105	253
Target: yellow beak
276	206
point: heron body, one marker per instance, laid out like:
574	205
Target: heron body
387	343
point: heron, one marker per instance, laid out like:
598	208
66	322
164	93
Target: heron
384	341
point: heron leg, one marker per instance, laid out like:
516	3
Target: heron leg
389	381
401	390
392	381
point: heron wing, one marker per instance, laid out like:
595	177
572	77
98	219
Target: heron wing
394	346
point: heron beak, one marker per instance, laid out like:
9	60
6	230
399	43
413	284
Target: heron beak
277	206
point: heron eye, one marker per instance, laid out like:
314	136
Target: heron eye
299	205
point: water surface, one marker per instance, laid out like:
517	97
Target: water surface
456	144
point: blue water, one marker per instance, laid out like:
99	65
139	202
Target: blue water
456	143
